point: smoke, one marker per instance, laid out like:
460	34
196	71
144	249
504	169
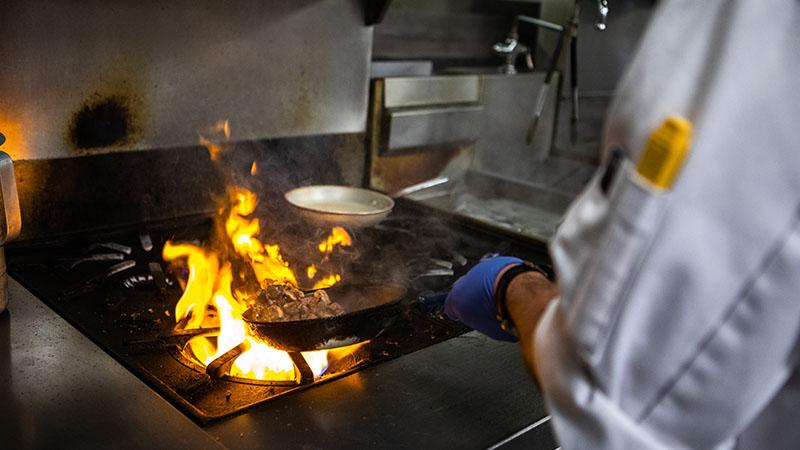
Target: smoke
269	169
414	249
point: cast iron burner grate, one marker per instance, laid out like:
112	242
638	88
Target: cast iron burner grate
114	288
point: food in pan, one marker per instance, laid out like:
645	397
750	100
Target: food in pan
281	303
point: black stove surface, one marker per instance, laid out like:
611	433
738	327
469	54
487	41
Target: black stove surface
115	288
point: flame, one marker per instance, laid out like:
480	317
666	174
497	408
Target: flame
266	260
211	136
338	236
208	302
327	282
263	362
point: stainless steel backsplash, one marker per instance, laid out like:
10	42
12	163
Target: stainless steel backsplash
94	76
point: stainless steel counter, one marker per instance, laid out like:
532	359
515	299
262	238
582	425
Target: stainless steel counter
468	392
58	389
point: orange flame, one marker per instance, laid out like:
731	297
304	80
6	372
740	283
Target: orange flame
211	136
266	260
208	302
327	282
338	236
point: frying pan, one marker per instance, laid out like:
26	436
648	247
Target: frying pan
369	309
345	205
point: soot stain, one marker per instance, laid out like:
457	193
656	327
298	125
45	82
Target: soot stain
102	122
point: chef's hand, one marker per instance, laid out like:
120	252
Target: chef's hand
471	300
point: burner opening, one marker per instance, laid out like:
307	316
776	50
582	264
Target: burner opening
266	366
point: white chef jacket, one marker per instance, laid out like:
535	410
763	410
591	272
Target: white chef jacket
677	324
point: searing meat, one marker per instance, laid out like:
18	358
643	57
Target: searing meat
280	303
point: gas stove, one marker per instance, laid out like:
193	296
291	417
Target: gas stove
115	288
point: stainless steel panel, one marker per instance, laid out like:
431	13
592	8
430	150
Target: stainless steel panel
438	90
467	392
60	390
384	69
509	103
160	71
423	127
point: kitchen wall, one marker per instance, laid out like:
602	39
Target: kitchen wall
88	77
82	84
60	193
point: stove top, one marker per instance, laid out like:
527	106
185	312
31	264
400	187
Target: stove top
115	288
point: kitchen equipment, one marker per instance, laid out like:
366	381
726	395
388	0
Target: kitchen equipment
342	205
11	220
130	314
369	310
411	112
551	69
350	206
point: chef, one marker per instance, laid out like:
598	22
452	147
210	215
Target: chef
675	319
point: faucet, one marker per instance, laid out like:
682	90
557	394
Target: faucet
510	49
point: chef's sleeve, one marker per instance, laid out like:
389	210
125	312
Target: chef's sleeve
652	346
679	311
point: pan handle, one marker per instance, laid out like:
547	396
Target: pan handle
432	302
420	187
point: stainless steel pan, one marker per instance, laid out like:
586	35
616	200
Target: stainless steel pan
349	206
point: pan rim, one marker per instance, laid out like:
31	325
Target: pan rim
402	291
289	194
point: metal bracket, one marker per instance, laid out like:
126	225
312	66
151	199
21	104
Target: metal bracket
302	373
222	365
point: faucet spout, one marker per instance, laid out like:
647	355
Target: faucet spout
510	49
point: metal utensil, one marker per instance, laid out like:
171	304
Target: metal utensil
341	205
349	206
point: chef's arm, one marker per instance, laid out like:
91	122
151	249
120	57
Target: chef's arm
527	297
472	301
